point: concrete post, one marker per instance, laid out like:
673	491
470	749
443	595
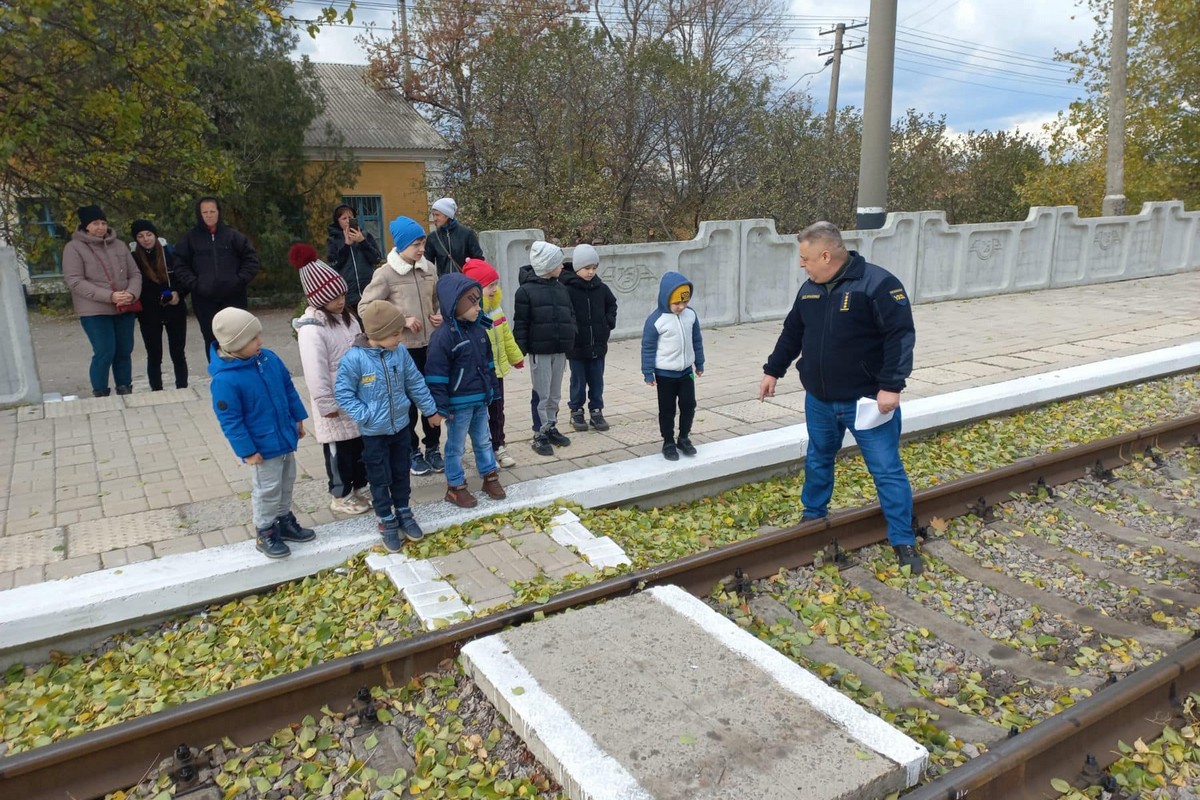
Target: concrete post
18	370
877	117
1114	172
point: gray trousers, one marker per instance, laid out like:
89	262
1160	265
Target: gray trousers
546	373
271	485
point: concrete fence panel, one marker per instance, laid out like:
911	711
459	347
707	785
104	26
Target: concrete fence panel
771	273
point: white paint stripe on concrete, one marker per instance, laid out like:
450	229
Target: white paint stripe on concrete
873	732
55	609
579	759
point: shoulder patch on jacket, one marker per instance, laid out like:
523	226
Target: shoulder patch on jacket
899	296
222	405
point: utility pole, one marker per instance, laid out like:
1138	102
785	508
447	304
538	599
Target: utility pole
404	37
831	114
1114	172
877	117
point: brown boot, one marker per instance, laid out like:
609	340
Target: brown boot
491	485
461	496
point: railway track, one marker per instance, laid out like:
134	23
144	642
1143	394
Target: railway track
1133	707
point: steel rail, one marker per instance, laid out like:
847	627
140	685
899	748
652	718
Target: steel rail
92	764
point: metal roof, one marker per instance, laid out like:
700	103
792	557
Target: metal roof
369	118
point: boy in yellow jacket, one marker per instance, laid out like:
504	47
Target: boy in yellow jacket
505	352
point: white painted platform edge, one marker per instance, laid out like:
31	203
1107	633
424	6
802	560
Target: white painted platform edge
47	611
599	775
873	732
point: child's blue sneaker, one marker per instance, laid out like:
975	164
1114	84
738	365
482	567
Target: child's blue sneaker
269	544
389	529
417	464
408	523
291	531
433	457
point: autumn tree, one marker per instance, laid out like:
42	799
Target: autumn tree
1162	139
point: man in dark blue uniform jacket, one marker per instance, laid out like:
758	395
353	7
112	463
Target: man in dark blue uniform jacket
852	328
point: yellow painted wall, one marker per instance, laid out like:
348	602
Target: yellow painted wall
401	184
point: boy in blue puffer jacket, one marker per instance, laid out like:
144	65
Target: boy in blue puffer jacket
263	419
461	374
376	383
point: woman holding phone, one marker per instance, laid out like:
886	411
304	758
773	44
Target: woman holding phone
352	252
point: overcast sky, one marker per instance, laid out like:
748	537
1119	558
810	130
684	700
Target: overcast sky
984	64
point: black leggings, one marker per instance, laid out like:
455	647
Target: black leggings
672	391
152	322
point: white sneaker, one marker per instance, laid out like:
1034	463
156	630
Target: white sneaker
504	459
349	505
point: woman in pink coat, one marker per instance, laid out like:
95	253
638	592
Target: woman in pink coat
105	284
325	331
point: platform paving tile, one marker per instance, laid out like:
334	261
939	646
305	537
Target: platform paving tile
22	550
502	559
70	567
120	531
546	553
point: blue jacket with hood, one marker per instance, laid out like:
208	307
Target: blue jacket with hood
376	386
671	343
854	335
459	366
256	403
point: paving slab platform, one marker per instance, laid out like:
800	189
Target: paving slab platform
658	696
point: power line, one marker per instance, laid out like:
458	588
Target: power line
975	83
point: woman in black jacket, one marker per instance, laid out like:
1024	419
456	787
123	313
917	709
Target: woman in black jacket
162	304
353	252
216	264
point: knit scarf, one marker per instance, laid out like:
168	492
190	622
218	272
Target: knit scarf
156	271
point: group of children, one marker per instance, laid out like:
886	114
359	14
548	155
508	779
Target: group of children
440	347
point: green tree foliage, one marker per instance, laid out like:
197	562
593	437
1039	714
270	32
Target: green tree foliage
141	106
1162	141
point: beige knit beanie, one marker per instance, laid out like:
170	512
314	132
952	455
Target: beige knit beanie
380	319
235	328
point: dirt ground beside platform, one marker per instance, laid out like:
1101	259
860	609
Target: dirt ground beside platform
63	353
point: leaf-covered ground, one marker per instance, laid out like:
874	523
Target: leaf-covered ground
350	609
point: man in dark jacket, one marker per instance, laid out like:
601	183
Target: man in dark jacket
353	252
544	327
216	264
450	244
852	327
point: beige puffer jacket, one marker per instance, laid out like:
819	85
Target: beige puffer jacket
84	262
412	289
321	349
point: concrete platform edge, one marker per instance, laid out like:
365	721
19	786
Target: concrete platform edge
868	729
585	771
44	612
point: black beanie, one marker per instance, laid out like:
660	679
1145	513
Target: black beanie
140	225
89	214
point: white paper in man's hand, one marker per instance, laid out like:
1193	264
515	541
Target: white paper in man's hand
867	415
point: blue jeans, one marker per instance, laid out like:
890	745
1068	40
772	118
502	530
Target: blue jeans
587	384
387	461
473	421
827	423
111	336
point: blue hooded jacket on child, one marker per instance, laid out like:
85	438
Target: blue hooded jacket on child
671	343
256	403
459	366
376	386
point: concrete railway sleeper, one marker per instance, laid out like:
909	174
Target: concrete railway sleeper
1055	677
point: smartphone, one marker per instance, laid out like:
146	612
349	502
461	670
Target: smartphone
354	225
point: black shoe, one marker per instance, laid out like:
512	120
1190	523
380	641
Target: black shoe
433	457
417	464
408	524
555	438
269	543
685	446
669	452
908	556
542	446
101	392
389	529
578	422
124	390
598	421
290	530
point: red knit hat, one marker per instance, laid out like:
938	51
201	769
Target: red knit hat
322	285
481	271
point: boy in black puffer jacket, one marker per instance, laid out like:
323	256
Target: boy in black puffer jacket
544	327
595	317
